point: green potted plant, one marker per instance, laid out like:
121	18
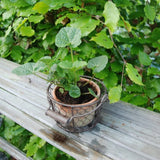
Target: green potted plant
74	100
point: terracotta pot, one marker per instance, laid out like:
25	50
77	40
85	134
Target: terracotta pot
78	110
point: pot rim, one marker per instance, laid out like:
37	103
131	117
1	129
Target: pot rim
91	102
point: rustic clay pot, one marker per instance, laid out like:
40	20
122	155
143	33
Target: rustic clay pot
78	109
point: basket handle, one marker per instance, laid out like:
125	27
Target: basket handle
57	116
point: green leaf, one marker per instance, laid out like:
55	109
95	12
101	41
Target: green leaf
16	53
27	31
40	154
98	63
136	48
85	23
156	106
111	80
150	12
155	83
144	58
29	68
68	36
115	94
35	19
116	67
111	15
153	71
92	92
133	74
103	40
139	100
151	92
79	64
41	7
74	91
65	65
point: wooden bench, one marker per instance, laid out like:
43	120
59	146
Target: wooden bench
125	132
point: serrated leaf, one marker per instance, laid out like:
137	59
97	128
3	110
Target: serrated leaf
111	15
27	31
65	65
103	40
79	64
85	23
133	74
144	58
74	91
41	7
98	63
35	19
150	12
115	94
68	36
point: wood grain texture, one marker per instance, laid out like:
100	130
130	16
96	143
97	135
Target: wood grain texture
12	150
125	132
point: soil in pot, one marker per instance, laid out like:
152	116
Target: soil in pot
84	98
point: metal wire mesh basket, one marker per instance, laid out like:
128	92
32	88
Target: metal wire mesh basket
76	117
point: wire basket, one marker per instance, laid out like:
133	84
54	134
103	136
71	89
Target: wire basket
76	117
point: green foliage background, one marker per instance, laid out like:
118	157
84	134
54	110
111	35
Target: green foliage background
128	32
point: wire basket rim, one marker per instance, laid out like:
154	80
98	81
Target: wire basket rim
78	105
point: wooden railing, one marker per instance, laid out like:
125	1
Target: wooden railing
125	132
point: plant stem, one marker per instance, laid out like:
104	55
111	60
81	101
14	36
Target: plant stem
124	61
41	77
72	54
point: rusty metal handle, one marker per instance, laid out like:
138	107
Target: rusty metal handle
57	117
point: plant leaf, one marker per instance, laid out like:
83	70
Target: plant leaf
35	19
79	64
144	58
133	74
41	7
111	15
92	92
102	40
68	36
27	31
115	94
29	68
74	91
153	71
150	12
85	23
65	65
98	63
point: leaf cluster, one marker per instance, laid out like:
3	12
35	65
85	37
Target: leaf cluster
127	32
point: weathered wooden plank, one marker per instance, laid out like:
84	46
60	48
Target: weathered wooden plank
95	138
131	129
145	120
69	146
125	132
12	150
